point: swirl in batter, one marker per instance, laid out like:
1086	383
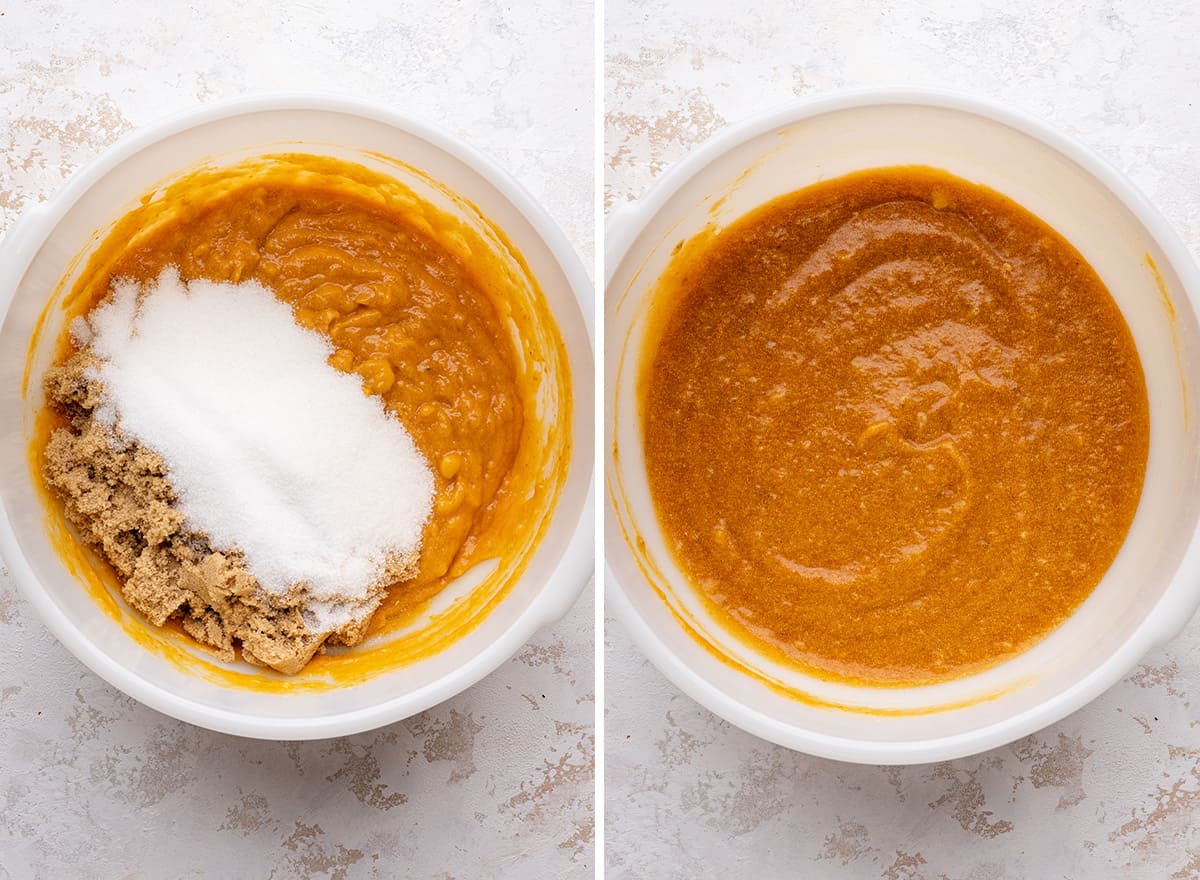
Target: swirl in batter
895	426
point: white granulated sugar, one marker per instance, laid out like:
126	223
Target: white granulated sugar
270	449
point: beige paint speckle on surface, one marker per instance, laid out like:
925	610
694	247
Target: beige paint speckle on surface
1113	791
495	783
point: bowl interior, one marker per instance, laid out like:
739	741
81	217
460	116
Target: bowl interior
1153	301
436	174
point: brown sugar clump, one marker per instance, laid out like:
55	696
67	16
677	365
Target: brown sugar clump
118	496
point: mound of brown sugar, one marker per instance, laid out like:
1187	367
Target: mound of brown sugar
119	497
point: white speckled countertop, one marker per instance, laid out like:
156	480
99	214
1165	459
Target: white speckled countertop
495	783
1113	791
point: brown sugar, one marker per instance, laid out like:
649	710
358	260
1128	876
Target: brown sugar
119	497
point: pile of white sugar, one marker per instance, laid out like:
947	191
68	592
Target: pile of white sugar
270	450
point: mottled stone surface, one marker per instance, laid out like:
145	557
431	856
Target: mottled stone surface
1112	791
495	783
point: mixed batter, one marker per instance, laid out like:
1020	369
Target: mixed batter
895	426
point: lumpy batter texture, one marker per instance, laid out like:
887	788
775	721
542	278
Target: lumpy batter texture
407	307
895	426
402	312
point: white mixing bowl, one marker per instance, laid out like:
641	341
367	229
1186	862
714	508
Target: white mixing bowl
1152	588
37	252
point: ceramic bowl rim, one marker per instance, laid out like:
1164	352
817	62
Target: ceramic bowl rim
1174	608
560	590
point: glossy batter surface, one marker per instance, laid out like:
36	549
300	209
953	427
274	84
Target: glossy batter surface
895	426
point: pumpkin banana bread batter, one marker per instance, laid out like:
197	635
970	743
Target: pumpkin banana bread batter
404	309
895	426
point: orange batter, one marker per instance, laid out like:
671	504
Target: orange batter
417	307
895	426
398	305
